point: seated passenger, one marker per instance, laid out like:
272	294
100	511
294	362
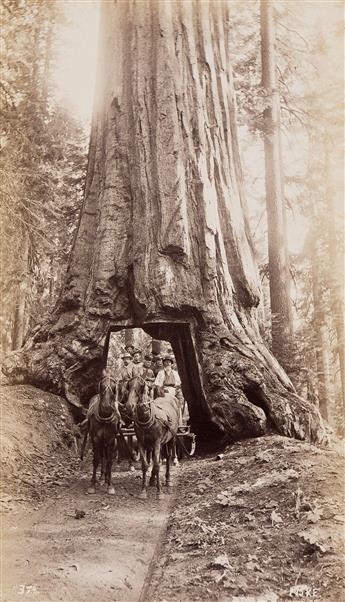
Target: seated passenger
147	373
129	349
157	364
168	379
168	382
137	366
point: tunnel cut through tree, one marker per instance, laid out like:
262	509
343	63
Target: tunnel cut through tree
175	336
163	241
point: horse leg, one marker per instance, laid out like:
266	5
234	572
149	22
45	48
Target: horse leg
171	449
174	454
156	458
153	472
135	451
83	445
116	452
144	467
96	460
103	477
131	459
149	457
109	458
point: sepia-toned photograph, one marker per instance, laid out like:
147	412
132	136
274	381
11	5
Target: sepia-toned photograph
172	253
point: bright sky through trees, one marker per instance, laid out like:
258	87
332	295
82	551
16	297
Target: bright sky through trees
77	51
75	74
77	56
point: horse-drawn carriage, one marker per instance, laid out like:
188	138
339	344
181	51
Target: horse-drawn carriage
185	440
155	423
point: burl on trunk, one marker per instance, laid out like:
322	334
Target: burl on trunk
163	240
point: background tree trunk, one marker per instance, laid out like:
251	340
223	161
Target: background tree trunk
130	339
19	320
156	347
336	252
163	241
281	309
322	345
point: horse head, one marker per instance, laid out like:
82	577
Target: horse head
108	396
137	390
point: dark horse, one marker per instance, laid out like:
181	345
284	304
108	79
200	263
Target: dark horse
103	422
155	424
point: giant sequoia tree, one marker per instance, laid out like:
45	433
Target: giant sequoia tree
163	240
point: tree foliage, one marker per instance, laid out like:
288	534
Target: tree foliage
42	167
311	97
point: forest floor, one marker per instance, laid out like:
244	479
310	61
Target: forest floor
263	522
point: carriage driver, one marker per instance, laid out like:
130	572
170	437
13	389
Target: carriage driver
126	373
127	368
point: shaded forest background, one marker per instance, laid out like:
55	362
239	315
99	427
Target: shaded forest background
44	158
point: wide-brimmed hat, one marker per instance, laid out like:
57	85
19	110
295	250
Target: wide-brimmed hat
168	358
135	350
148	357
125	355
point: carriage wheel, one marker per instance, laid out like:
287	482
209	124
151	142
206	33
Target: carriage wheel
187	445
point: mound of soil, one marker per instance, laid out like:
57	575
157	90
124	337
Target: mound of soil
57	542
38	444
265	522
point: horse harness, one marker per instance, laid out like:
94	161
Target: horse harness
146	424
109	419
115	415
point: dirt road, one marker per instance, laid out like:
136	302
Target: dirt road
262	522
50	555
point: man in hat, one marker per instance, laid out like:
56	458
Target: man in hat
126	372
157	364
126	369
138	366
129	349
147	373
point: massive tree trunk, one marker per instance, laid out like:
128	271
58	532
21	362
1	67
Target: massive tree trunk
163	241
281	307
